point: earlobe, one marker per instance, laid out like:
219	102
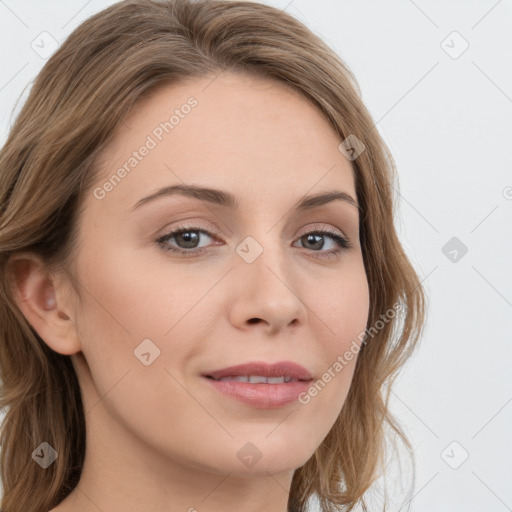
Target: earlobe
42	301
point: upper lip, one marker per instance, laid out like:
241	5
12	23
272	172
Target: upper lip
279	369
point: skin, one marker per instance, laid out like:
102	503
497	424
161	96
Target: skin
158	437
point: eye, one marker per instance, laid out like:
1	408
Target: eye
316	239
188	239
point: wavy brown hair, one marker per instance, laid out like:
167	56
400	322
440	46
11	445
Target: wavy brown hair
47	164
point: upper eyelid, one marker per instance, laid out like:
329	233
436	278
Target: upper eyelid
342	224
208	231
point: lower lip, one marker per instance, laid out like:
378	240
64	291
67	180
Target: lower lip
261	396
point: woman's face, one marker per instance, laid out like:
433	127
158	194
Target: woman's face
243	283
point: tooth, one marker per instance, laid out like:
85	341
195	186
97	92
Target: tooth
257	379
276	380
241	378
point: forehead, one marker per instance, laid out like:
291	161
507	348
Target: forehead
255	136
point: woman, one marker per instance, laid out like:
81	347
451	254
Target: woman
204	296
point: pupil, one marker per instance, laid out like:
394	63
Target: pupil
190	240
318	238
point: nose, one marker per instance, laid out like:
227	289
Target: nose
264	296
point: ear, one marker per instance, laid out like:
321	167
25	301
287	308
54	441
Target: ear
44	300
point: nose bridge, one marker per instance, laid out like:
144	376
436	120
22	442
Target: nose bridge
266	290
265	260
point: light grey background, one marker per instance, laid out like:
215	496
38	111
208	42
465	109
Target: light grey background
447	119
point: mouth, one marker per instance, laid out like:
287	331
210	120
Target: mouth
261	385
258	379
259	372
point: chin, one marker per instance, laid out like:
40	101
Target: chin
273	454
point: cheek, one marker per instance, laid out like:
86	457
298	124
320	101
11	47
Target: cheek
341	304
128	304
341	315
132	296
129	300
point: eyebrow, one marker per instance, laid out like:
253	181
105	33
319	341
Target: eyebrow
228	200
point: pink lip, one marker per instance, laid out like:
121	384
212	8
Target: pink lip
262	396
286	368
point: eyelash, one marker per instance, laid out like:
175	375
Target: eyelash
342	242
